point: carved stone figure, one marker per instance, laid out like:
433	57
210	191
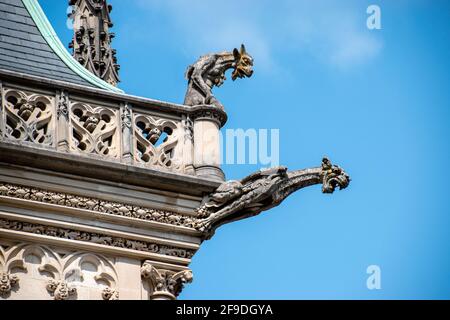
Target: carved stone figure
263	190
209	71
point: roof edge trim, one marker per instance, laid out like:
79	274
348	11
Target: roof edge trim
49	34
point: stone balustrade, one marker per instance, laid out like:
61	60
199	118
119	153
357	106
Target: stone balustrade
151	134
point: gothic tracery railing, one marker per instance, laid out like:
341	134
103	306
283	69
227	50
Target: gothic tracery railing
115	132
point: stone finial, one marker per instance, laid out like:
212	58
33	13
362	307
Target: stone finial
167	284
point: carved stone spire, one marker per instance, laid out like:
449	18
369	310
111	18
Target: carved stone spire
91	43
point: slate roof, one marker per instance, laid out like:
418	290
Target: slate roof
24	49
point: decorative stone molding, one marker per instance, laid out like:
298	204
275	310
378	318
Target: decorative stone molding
28	117
167	284
97	205
102	239
208	112
60	290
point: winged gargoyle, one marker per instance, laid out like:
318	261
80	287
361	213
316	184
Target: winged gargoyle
263	190
209	71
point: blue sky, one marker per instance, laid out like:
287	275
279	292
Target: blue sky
375	101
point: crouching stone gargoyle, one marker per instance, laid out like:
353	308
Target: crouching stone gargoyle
261	191
209	71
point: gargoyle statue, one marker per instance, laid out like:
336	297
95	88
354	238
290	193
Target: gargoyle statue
209	71
261	191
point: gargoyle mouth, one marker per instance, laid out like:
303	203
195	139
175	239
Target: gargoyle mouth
242	72
341	180
333	177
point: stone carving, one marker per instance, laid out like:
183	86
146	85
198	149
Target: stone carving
8	262
7	282
126	116
62	109
94	130
92	40
60	289
166	282
101	239
209	71
110	294
155	142
65	270
86	203
265	189
29	117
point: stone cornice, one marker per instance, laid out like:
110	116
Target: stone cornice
104	170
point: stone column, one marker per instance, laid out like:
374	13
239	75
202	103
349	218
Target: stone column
166	284
62	121
207	149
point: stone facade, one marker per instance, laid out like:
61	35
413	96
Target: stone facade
107	196
94	188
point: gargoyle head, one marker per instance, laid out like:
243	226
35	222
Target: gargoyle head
243	64
333	176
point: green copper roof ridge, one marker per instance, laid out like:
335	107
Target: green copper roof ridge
49	34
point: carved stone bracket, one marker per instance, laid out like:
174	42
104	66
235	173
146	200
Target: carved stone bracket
60	290
7	282
110	294
167	284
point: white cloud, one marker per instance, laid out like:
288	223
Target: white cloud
330	31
